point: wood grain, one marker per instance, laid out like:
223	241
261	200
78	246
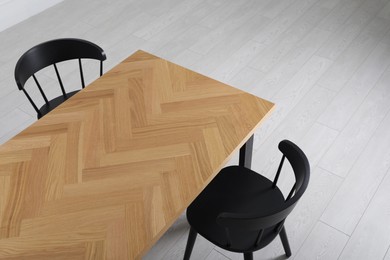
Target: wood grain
107	173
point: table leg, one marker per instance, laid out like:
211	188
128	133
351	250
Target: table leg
246	153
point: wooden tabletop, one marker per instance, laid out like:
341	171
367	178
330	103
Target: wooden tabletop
105	174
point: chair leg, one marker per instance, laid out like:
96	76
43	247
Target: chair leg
190	243
248	256
286	245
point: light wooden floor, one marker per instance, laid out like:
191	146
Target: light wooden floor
326	65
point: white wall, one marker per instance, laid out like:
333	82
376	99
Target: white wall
15	11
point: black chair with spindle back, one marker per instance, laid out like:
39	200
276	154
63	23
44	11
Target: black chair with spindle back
242	211
51	53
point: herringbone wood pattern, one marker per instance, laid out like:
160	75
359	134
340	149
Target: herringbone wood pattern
107	172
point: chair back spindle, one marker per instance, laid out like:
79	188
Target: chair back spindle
81	74
60	81
291	193
228	237
278	172
32	102
279	226
40	89
259	236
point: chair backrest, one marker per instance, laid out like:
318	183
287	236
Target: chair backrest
50	53
301	168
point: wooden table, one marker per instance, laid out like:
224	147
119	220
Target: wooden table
105	174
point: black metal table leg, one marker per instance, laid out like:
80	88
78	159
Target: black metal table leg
246	153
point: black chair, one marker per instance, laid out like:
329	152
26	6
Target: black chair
242	211
50	53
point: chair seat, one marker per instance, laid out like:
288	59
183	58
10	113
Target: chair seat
235	189
46	108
